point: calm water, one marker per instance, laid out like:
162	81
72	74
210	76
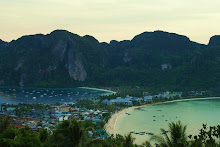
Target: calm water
152	118
47	96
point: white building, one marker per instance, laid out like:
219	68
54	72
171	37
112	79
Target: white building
148	98
117	101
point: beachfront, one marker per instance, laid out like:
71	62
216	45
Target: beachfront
105	90
110	126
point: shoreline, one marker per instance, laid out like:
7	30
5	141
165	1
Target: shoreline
105	90
110	125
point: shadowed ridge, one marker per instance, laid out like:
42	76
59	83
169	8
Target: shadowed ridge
214	41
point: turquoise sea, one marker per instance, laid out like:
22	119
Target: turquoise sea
46	95
152	118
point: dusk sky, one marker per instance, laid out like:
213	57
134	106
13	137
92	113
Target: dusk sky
110	19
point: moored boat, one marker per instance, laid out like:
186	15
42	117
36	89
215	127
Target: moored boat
7	95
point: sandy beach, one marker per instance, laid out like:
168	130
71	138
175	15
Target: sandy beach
112	122
105	90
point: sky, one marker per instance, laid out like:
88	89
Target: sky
110	19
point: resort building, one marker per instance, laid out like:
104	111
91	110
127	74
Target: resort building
148	98
64	108
54	109
129	98
163	96
117	101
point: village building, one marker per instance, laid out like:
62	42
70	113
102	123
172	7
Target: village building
64	108
148	98
117	101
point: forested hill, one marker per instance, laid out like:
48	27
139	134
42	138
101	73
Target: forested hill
153	59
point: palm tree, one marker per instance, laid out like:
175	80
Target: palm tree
175	137
43	135
147	144
4	123
128	141
70	133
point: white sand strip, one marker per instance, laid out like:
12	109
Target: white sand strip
105	90
112	122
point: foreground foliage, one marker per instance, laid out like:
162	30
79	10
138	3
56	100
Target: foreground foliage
73	133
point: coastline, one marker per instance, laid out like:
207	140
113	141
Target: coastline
105	90
110	125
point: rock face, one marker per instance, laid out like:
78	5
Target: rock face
214	41
60	49
76	67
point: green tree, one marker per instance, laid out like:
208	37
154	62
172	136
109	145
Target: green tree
9	138
128	141
208	137
174	137
4	123
44	135
27	138
70	133
147	144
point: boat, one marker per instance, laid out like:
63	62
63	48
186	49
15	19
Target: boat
14	90
26	95
154	120
132	132
34	98
154	116
7	95
150	133
14	97
41	95
1	92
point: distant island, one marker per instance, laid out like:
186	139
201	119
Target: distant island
153	59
